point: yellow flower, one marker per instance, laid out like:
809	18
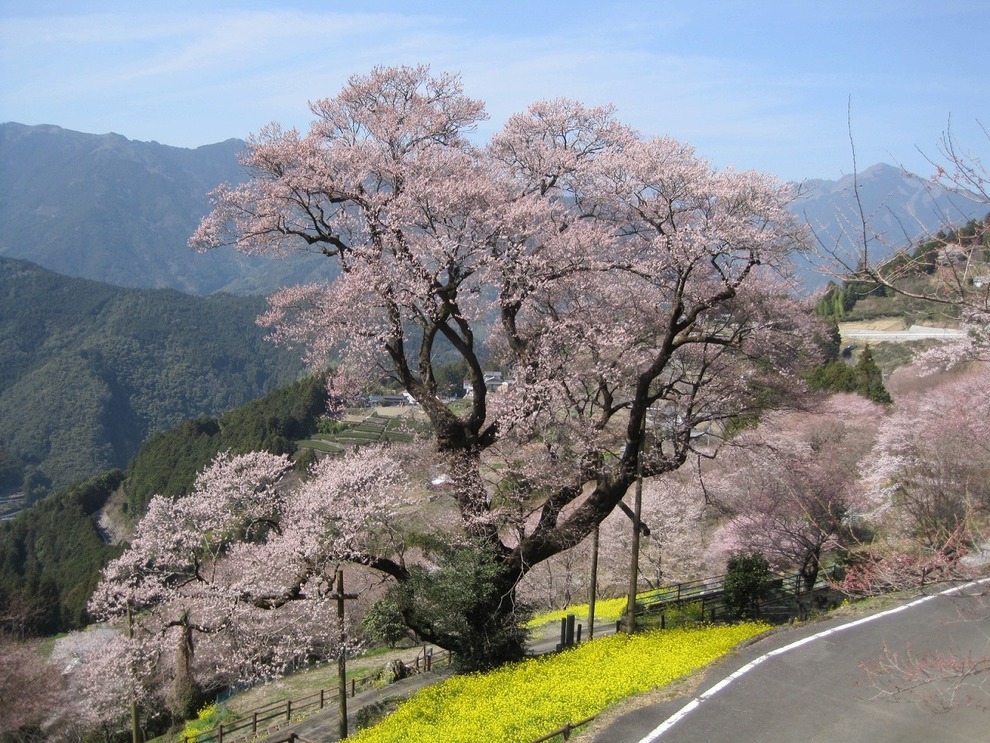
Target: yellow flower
526	700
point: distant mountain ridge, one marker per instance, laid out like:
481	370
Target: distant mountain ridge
111	209
120	211
900	209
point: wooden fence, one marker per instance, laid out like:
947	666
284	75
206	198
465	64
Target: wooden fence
263	718
565	731
789	597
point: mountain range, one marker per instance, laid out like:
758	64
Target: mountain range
110	209
103	207
899	207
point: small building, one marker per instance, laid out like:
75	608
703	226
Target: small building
385	401
494	381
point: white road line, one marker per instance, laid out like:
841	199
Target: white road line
697	701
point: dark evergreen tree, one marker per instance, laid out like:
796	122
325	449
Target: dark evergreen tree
869	379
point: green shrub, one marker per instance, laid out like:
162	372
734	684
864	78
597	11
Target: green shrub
383	622
747	583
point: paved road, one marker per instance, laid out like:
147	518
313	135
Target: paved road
914	333
807	691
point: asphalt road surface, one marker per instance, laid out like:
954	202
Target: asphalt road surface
806	685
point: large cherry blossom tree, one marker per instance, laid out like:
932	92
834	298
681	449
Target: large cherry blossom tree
604	273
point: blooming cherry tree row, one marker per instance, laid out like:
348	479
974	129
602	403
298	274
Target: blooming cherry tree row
234	582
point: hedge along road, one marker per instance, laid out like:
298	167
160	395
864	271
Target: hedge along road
806	683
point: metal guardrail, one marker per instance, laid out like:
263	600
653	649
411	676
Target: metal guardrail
787	590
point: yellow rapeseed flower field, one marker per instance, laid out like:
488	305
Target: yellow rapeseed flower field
606	610
524	701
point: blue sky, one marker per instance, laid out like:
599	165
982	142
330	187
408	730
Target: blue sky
762	85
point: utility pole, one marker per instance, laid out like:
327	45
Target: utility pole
136	736
594	584
342	652
637	511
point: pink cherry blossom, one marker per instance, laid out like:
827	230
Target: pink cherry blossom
606	274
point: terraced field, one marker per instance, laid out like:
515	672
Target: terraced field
374	428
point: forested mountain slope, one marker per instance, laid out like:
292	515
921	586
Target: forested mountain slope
51	555
111	209
88	371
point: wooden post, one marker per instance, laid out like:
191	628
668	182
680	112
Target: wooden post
342	654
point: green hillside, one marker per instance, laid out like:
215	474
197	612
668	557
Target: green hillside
89	371
51	555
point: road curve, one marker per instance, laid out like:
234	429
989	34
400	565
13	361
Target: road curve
804	683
